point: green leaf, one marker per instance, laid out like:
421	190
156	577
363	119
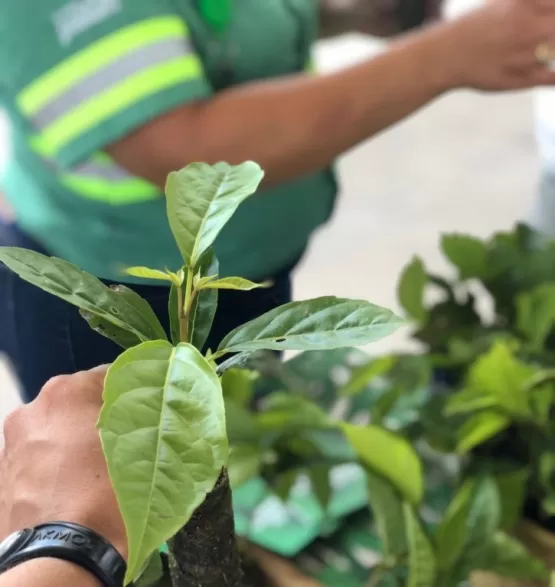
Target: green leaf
290	412
205	303
238	385
535	316
469	400
483	521
120	306
468	254
362	376
202	198
500	374
512	488
244	463
147	273
319	324
241	423
507	557
452	533
153	572
541	400
387	511
122	337
283	484
422	559
389	455
320	483
162	427
479	428
236	283
410	290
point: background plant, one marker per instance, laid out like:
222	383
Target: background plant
293	436
492	374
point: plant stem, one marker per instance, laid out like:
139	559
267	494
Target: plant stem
185	306
204	553
183	327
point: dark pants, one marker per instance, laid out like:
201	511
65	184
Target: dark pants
44	336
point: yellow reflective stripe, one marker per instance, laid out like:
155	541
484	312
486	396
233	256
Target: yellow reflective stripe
46	151
139	86
121	192
116	193
94	57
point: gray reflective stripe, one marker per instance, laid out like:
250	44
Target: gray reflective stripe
100	81
91	170
106	171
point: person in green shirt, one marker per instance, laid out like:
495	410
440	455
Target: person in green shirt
106	97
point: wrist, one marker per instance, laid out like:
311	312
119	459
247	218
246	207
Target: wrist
439	49
48	572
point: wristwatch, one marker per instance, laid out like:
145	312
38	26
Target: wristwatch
69	542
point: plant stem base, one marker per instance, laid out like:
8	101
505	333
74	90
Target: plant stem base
204	553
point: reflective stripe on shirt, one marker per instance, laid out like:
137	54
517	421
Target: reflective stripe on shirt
107	77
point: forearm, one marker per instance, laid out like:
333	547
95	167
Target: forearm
297	125
47	572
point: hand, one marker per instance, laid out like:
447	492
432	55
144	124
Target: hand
52	467
494	47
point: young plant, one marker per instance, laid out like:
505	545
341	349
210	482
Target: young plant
163	420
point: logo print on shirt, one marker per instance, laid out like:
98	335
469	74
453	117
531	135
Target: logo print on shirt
78	16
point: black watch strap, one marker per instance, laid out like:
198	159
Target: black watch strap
72	543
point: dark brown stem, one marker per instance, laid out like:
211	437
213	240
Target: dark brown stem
204	553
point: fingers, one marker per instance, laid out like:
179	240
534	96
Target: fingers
84	386
542	76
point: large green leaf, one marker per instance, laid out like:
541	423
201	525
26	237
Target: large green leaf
500	374
422	558
468	254
410	290
507	557
389	455
203	310
163	431
202	198
479	428
319	324
119	306
535	316
387	511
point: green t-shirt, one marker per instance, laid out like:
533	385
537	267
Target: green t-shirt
77	75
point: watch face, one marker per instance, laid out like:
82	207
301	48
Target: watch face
11	543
